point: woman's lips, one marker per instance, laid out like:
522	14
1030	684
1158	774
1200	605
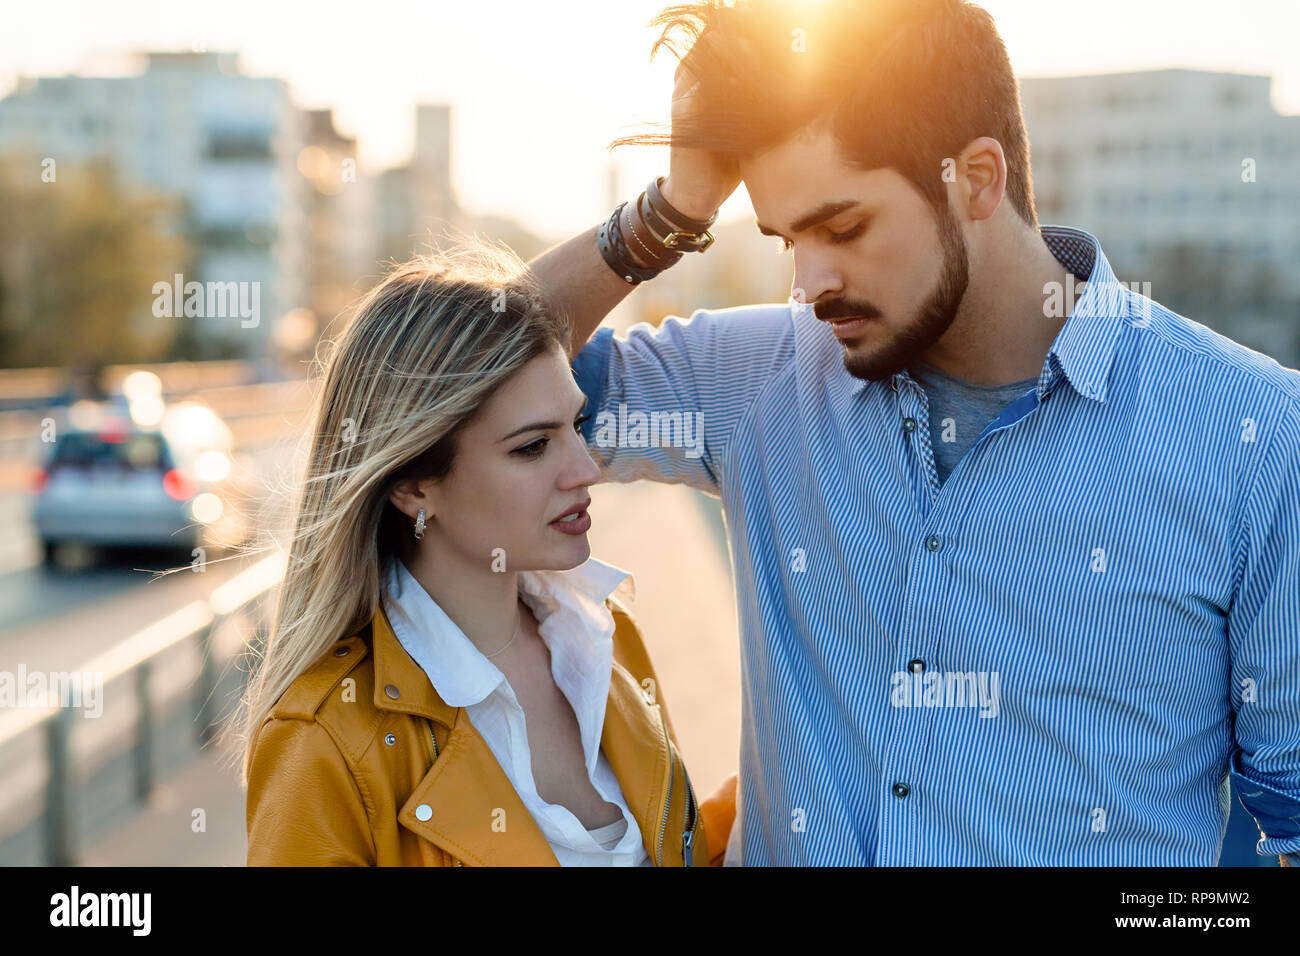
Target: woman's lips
578	525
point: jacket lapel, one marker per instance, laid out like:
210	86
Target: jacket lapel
477	815
633	732
466	791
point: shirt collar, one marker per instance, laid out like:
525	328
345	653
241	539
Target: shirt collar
1085	347
569	607
1084	350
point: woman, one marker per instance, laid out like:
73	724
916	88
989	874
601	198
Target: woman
451	679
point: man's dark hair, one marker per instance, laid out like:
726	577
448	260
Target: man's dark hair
902	84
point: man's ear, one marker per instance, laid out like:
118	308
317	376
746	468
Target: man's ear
410	495
981	177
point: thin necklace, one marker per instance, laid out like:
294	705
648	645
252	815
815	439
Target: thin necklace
512	637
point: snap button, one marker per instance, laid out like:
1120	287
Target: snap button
423	812
341	651
916	665
909	425
391	691
934	542
901	790
390	739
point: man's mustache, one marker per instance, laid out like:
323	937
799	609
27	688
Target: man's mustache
843	309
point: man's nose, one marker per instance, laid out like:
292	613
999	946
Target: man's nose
814	281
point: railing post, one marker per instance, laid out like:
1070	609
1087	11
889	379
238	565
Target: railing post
143	731
207	681
59	805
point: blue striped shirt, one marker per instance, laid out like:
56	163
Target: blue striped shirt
1060	655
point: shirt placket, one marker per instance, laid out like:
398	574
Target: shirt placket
906	728
911	723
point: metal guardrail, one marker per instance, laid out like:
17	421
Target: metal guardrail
135	657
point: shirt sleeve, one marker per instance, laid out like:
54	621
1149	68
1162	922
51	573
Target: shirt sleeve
664	402
1264	635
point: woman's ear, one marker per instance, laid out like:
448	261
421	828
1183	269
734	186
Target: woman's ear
409	496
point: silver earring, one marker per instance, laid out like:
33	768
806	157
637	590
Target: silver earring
419	525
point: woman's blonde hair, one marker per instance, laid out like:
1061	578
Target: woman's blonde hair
423	351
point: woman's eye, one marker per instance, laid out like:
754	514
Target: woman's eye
535	449
532	449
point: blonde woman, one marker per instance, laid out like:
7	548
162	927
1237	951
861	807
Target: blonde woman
450	678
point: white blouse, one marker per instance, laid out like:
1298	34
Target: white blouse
578	629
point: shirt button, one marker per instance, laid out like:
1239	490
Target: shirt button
916	665
423	812
341	651
934	542
901	790
909	425
390	739
391	691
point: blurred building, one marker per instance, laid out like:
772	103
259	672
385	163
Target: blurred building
192	126
416	205
341	235
416	201
1190	180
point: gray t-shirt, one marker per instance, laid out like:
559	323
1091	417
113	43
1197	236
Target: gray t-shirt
959	411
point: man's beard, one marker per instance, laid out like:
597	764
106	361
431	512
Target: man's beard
936	314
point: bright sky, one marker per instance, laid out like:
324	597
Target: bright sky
532	82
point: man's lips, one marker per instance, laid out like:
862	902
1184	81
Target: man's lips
848	327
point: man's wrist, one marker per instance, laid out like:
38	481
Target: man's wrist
687	204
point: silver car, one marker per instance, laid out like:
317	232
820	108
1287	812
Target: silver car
108	481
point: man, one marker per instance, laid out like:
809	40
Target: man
1018	576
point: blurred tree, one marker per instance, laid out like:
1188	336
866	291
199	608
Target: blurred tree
79	256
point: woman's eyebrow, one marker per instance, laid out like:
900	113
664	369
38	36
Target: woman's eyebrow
543	426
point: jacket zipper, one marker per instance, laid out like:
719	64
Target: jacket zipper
691	811
663	824
691	822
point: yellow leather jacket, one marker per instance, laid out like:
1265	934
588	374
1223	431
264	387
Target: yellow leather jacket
362	763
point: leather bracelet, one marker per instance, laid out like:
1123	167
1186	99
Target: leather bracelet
679	231
642	242
609	240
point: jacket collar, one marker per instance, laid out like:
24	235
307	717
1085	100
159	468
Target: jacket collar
400	684
466	790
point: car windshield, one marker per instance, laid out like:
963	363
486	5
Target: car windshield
140	451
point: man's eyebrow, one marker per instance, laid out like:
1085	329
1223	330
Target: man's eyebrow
544	426
819	215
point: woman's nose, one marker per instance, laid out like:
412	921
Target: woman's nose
583	469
